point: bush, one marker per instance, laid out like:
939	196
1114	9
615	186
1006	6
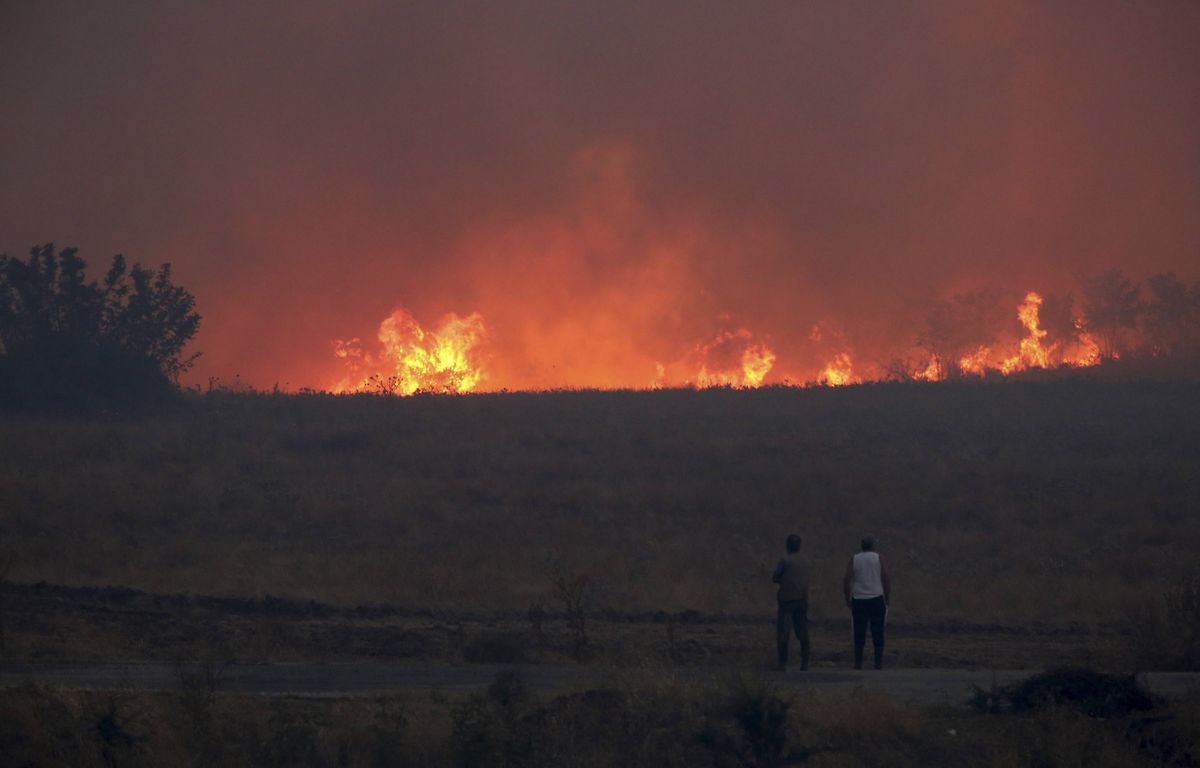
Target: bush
751	726
1093	693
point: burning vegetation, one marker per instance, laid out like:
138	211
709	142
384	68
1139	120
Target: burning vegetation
967	335
412	359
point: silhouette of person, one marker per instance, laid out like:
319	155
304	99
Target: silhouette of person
791	574
868	589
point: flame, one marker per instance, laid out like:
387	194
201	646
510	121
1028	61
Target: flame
1031	353
757	362
1087	351
1032	350
447	358
413	359
931	372
976	363
838	372
747	369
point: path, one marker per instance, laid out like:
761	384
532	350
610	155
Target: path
926	686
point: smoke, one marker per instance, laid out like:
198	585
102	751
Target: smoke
611	186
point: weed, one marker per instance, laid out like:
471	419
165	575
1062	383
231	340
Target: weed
198	686
573	592
113	728
389	733
293	739
6	563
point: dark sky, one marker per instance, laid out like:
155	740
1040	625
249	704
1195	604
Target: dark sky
608	184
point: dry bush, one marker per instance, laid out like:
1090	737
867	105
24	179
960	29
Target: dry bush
1066	738
1166	631
864	728
6	563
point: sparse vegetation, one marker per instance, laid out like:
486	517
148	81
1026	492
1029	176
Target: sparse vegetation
1093	693
6	562
1077	493
646	720
1167	627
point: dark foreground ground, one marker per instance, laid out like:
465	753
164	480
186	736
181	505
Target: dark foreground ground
616	548
47	623
383	714
948	687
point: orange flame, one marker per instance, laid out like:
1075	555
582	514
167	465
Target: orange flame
448	358
1031	354
413	359
1086	353
747	369
838	372
976	363
932	372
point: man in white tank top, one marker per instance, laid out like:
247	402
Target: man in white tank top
867	589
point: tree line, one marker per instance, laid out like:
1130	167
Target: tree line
67	341
1160	317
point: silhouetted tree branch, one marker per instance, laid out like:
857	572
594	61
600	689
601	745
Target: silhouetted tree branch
1172	317
1111	305
960	325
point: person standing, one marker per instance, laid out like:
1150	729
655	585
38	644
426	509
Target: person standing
867	589
791	574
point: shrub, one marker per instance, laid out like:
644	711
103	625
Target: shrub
1166	632
1093	693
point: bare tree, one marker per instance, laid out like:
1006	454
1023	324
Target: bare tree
1056	317
1172	318
960	325
1111	307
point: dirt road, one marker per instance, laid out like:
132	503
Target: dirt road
926	686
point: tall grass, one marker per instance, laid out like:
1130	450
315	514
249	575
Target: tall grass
1066	500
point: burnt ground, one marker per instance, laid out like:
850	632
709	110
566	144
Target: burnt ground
45	624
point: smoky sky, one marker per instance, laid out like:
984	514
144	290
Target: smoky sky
608	184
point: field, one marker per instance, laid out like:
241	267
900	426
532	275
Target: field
642	719
1024	522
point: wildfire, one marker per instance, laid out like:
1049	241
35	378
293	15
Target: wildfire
838	372
413	359
721	365
976	363
1087	351
447	357
1031	353
1034	350
931	372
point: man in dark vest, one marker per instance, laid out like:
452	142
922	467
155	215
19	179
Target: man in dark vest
791	574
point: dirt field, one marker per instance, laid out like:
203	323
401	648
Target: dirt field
49	623
1026	524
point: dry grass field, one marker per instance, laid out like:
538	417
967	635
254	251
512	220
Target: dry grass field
643	719
1068	504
